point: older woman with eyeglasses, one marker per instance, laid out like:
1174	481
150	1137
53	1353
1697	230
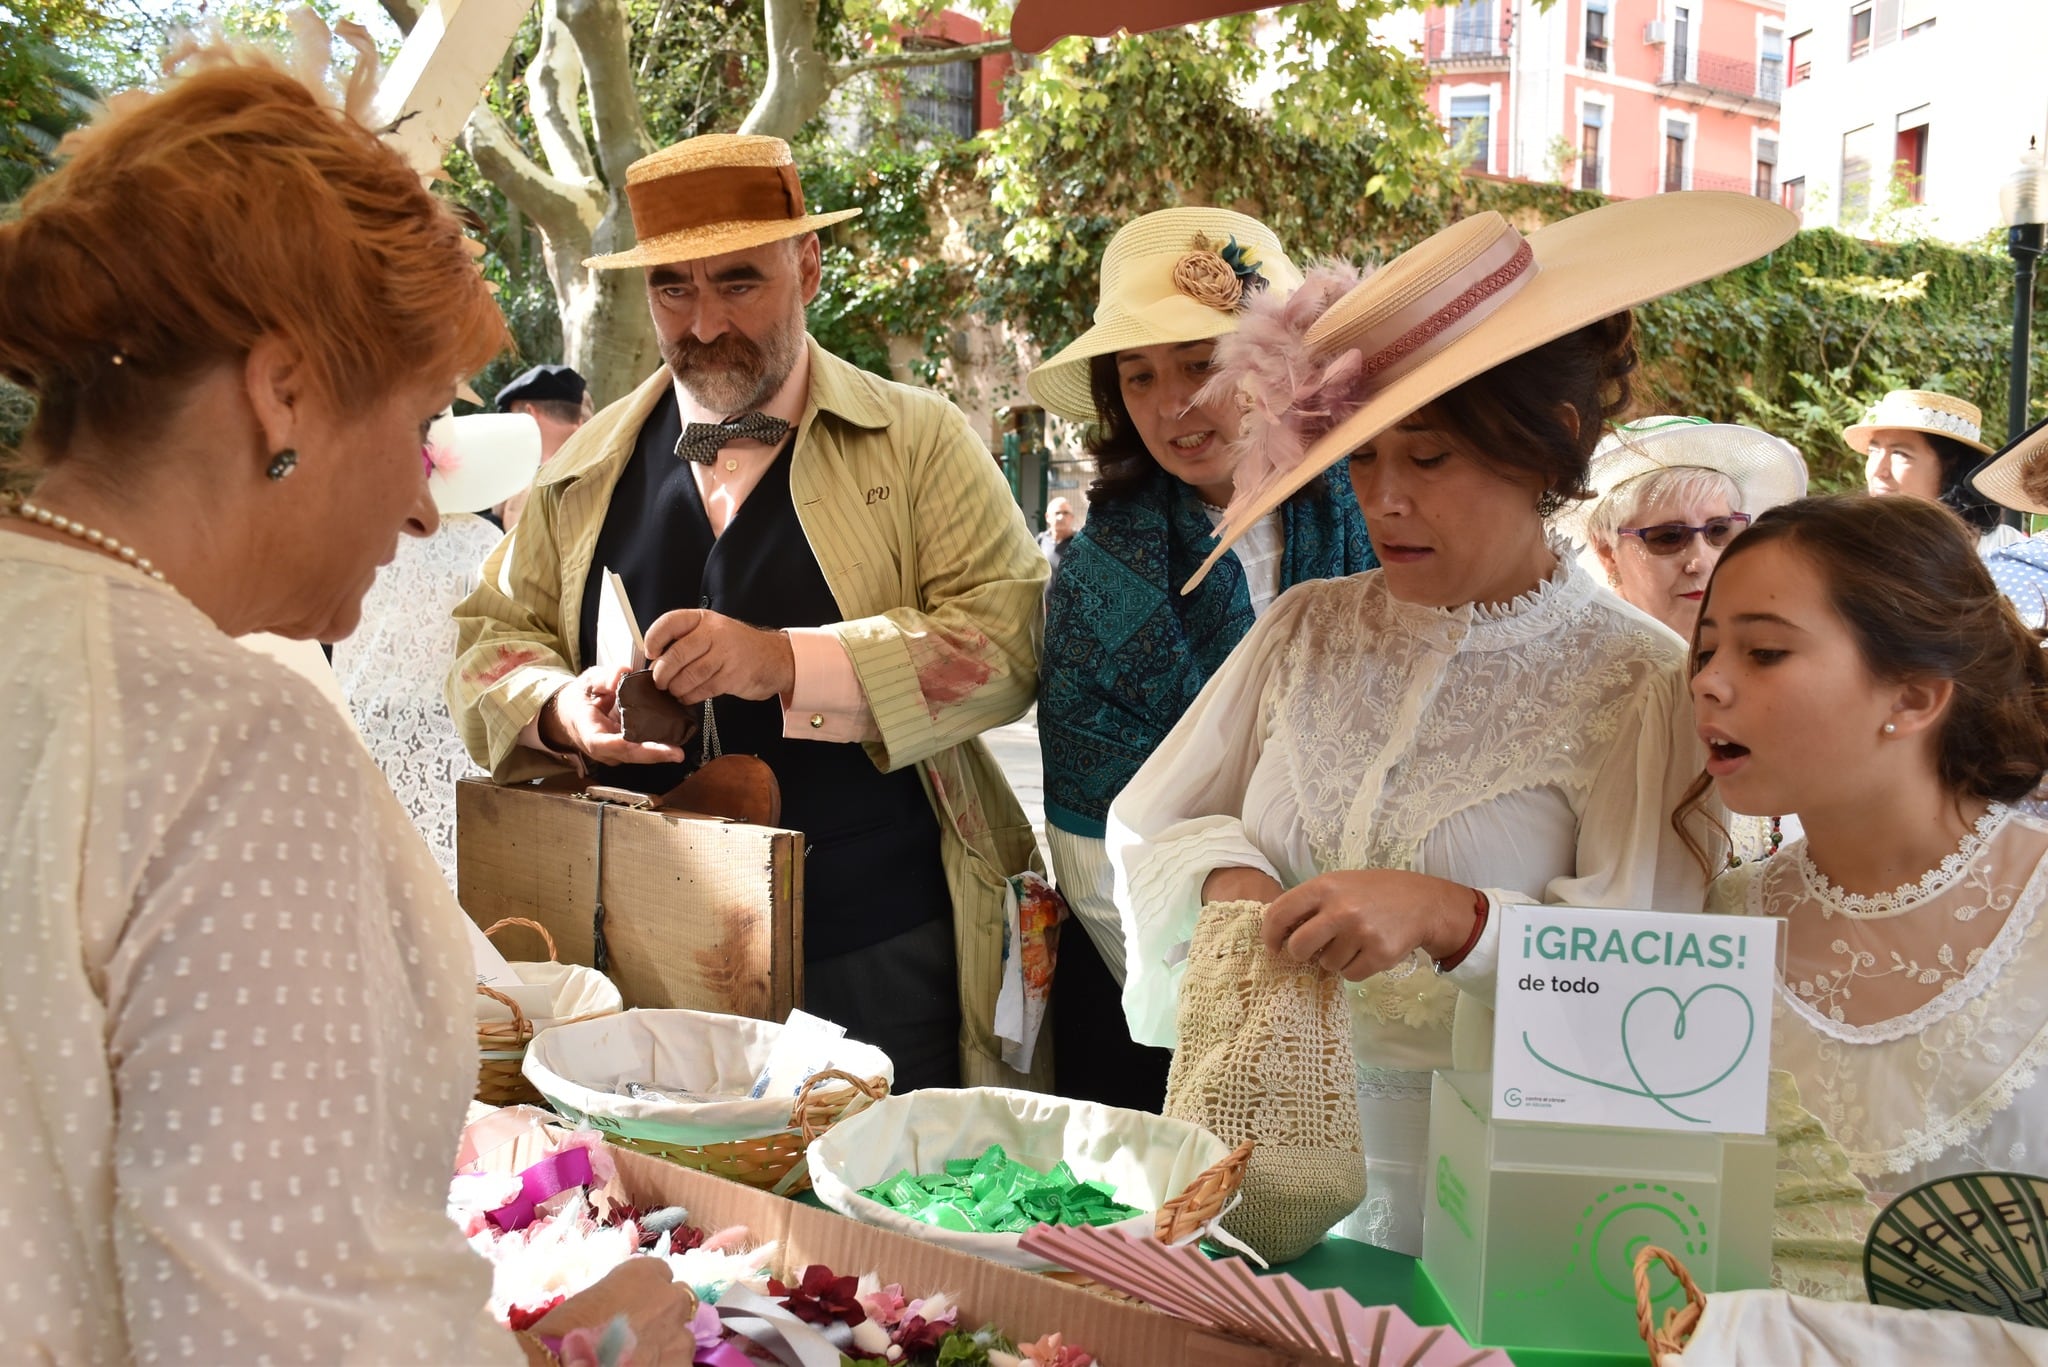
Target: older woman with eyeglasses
1669	494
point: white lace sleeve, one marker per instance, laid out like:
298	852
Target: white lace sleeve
1182	816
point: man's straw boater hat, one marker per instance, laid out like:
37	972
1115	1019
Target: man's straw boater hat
1478	294
706	196
1175	275
1919	410
2002	479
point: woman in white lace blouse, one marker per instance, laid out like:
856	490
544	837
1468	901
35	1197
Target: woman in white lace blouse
1388	759
235	996
1857	665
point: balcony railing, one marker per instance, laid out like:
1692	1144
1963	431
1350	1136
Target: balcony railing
1709	180
1467	40
1589	173
1719	75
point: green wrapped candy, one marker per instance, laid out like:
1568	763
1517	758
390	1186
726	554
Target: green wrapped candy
995	1194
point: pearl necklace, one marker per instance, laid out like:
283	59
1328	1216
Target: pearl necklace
98	540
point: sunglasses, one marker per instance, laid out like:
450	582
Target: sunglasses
1669	538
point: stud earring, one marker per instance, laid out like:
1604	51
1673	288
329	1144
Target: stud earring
1890	729
282	464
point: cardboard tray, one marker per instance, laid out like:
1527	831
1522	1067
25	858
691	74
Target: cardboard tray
1119	1333
700	912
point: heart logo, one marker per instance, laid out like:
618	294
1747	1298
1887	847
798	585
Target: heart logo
1678	1048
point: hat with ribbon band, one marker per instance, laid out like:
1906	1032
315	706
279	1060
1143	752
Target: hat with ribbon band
1479	293
480	460
1175	275
709	195
2003	478
1766	470
1919	410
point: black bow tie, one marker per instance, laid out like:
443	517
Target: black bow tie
703	440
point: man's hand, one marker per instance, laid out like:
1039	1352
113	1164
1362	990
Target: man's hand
697	654
1238	884
584	717
1360	922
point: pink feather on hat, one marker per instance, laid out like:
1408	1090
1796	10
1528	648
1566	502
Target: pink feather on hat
1291	395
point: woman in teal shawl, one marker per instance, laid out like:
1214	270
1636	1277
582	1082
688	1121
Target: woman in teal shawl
1125	652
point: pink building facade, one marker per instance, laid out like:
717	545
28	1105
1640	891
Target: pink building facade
1628	97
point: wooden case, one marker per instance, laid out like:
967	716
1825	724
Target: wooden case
700	912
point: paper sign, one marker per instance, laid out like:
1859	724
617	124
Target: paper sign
491	968
618	633
1640	1019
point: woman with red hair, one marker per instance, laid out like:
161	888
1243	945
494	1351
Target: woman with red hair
235	999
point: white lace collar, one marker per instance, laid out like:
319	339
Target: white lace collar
1900	900
1473	626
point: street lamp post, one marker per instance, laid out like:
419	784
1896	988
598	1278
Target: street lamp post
2023	204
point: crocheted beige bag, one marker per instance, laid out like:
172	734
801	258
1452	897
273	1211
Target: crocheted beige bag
1265	1055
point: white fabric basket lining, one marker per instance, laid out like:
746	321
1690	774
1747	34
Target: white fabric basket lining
583	1069
1146	1159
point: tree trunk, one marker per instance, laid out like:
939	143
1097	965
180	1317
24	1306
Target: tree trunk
800	80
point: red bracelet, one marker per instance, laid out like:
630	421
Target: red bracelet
1480	910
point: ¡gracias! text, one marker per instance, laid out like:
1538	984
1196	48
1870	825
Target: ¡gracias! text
1583	944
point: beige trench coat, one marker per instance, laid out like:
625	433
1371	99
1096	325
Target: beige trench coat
939	582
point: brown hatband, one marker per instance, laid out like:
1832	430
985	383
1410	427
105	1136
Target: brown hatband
717	194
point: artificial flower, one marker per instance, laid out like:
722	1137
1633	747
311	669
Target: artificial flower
520	1318
962	1349
611	1346
1053	1351
821	1297
919	1335
871	1337
882	1303
935	1308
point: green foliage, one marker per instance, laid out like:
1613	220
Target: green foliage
1098	133
1801	342
43	92
890	278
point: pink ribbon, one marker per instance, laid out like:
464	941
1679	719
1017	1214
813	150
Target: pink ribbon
546	1179
712	1348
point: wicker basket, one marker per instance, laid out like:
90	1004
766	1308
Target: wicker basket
1176	1174
761	1141
1669	1338
501	1044
774	1161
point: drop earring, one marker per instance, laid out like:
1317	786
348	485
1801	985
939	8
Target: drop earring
282	464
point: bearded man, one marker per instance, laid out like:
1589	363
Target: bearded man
833	576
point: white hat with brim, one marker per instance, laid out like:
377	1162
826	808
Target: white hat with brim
2002	478
481	460
1919	410
1478	294
710	195
1140	304
1767	470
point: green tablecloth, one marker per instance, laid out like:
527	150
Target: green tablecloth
1375	1276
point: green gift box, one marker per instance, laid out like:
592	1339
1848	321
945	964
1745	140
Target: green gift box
1530	1231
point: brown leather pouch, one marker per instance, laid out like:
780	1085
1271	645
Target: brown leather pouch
651	714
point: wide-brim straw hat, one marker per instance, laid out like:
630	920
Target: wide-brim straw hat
1919	410
1478	294
1767	470
709	195
1148	297
481	460
2002	478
